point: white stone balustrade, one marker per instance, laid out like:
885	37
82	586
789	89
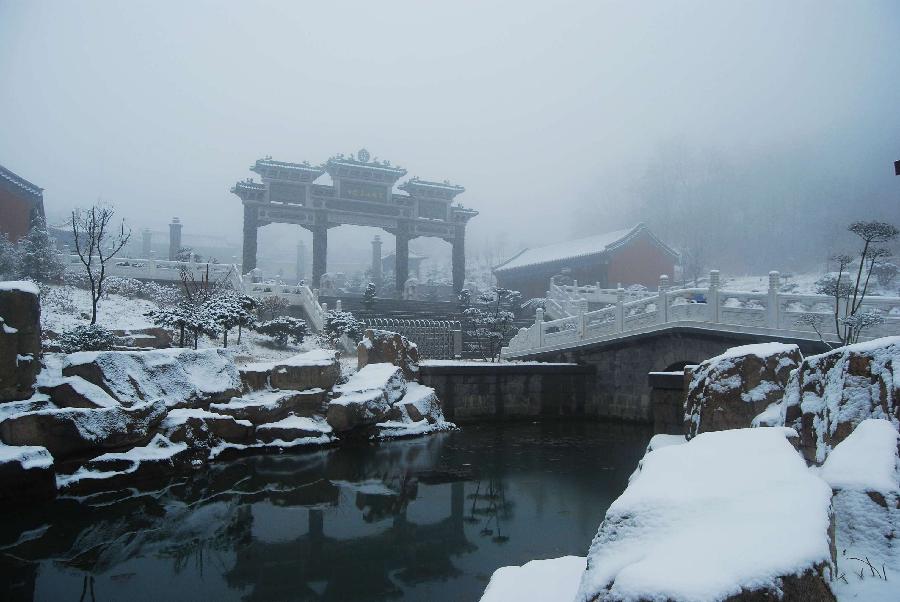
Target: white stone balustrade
771	313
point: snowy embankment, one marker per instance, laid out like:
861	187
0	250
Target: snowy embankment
805	509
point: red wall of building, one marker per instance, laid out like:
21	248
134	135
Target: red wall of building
15	215
640	261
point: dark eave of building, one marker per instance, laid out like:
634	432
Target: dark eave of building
21	183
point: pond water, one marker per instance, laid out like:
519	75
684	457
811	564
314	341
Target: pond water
423	519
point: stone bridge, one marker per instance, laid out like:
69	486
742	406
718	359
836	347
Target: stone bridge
666	330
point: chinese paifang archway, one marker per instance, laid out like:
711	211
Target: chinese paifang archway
362	194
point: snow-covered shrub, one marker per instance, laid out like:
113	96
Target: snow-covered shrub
283	328
90	337
60	298
126	287
338	323
369	295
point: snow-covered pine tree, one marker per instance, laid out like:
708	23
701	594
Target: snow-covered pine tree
37	256
282	328
9	258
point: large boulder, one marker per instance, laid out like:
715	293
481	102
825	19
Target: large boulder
830	394
203	429
26	474
157	461
75	392
420	403
71	431
733	515
730	390
318	369
379	346
183	377
366	397
20	339
261	407
146	338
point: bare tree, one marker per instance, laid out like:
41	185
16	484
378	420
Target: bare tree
96	242
849	319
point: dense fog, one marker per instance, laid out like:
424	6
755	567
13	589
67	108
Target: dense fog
749	134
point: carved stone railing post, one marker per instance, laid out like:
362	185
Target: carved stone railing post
712	296
338	306
582	318
772	319
620	309
662	302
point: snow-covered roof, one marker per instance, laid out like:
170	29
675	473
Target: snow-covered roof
580	247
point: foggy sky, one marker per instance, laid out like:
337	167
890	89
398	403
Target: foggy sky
541	110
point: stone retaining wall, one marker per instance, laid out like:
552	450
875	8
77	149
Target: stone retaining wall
472	392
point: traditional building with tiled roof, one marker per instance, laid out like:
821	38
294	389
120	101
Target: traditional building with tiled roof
630	256
21	203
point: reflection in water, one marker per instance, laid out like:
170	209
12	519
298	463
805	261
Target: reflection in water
424	519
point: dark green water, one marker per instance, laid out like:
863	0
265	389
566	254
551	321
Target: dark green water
424	519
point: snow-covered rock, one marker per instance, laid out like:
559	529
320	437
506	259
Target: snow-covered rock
418	412
293	428
203	429
378	346
830	394
864	473
75	392
729	390
69	431
262	407
20	339
366	397
730	515
159	460
26	474
550	580
317	369
183	377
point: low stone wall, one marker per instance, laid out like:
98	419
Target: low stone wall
667	391
484	391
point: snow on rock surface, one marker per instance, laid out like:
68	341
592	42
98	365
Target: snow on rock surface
727	513
25	286
180	376
262	407
729	390
318	368
864	472
75	392
418	412
366	397
158	460
203	429
830	394
69	431
550	580
293	428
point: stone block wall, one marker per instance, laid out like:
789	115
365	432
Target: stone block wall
473	392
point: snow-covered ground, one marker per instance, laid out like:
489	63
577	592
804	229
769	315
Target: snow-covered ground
64	307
